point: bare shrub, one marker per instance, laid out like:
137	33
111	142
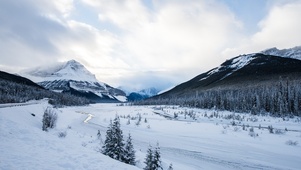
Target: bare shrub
224	131
271	129
252	133
279	132
49	119
291	143
62	134
236	129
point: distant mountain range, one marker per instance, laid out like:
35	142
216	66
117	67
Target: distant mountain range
287	53
74	78
142	94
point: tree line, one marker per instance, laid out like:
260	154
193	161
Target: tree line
282	98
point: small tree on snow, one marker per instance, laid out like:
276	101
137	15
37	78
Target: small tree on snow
157	164
49	119
149	159
129	155
153	159
170	167
114	145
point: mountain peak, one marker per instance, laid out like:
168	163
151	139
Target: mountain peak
294	52
69	70
73	63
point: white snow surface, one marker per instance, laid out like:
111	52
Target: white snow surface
204	140
242	61
288	53
121	98
237	63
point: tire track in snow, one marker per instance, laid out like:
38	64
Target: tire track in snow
201	157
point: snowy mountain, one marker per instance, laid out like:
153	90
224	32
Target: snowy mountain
142	94
240	72
288	53
149	92
73	77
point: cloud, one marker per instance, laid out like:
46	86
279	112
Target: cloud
41	31
280	28
26	34
132	43
172	37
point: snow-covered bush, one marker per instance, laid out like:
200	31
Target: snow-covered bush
279	132
292	143
49	119
271	129
252	133
236	129
62	134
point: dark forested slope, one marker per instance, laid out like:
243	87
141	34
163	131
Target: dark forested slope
253	82
16	89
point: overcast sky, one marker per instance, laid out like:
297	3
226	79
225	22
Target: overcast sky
146	43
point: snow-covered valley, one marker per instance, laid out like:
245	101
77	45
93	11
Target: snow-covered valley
189	138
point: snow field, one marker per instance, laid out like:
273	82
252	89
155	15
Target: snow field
197	142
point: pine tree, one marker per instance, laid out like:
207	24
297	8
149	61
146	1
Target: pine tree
170	167
114	145
149	159
129	156
153	159
157	164
108	146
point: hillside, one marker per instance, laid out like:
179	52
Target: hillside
253	82
17	89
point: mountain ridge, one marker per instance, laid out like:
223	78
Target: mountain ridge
256	83
250	68
294	52
73	77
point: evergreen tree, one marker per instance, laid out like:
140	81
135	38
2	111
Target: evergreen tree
114	145
149	159
153	159
170	167
108	144
157	164
129	156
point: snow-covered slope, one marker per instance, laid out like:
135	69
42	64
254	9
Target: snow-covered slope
241	71
234	65
196	139
288	53
70	70
72	76
23	144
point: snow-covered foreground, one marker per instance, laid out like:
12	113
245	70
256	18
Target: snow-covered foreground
204	140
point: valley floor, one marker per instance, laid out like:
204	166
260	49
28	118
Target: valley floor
195	139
